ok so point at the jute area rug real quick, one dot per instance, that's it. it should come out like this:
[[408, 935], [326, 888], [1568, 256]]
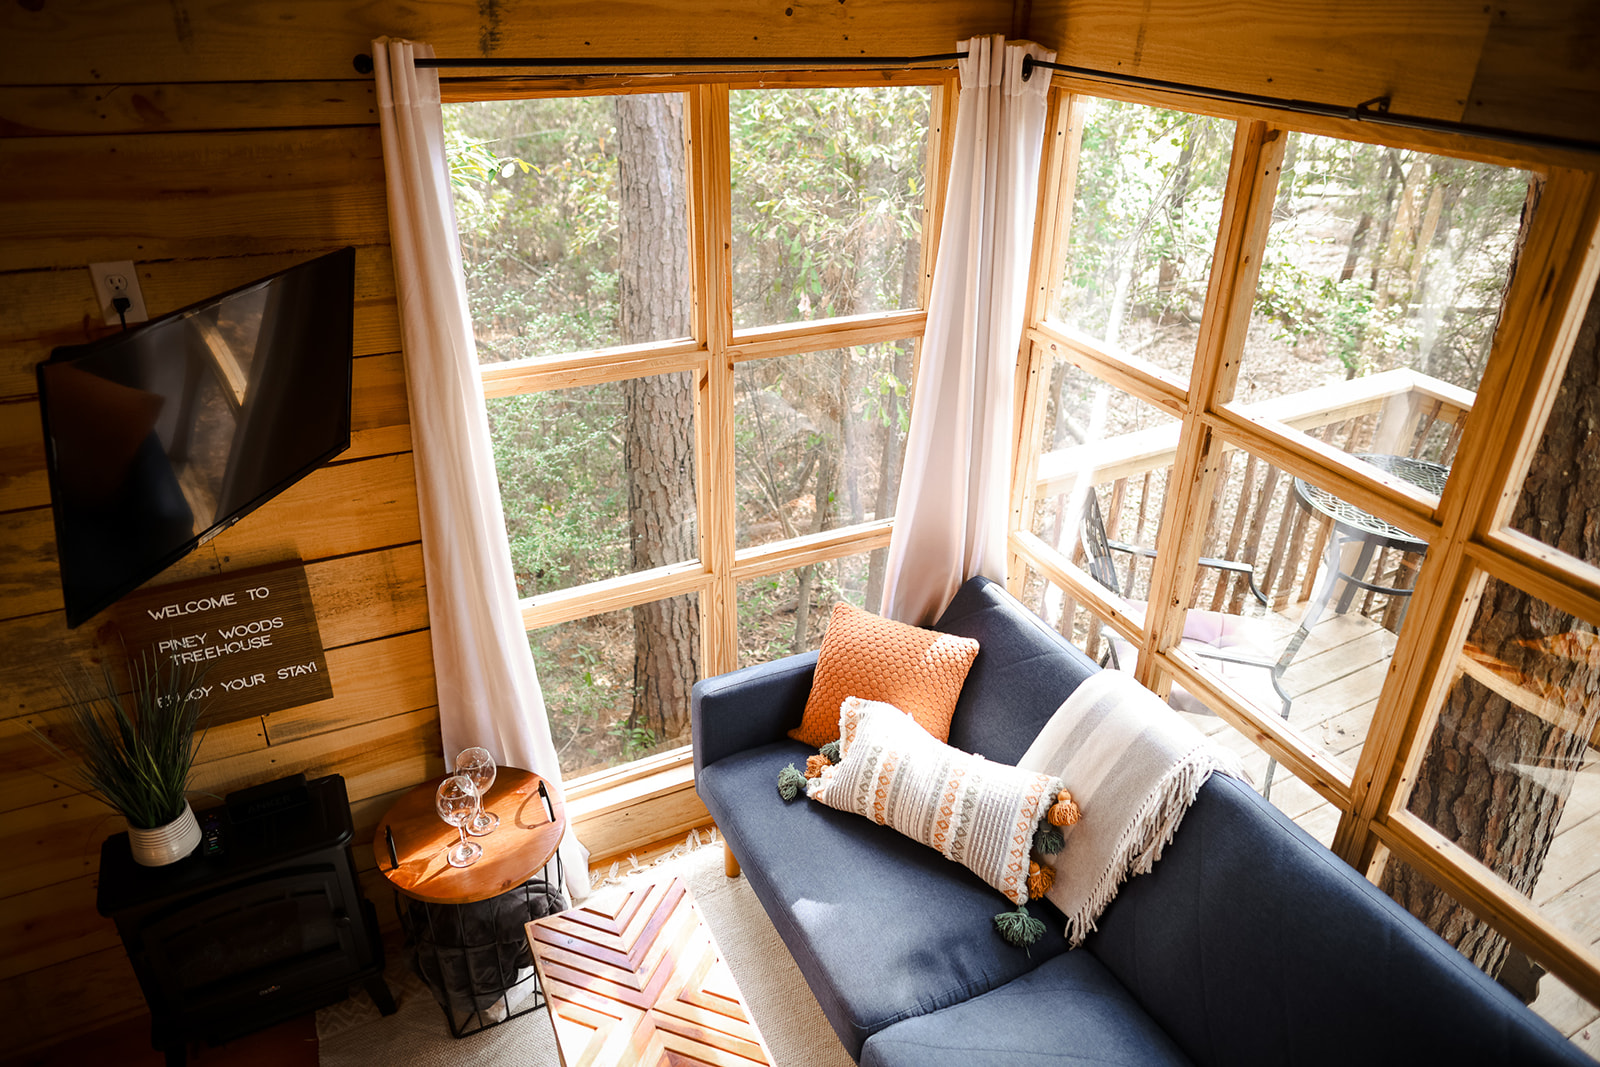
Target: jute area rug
[[353, 1034]]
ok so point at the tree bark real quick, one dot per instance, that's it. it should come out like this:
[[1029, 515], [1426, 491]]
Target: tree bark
[[1495, 778], [653, 291]]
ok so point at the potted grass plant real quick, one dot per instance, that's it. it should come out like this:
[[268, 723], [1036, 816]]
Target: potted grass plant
[[135, 750]]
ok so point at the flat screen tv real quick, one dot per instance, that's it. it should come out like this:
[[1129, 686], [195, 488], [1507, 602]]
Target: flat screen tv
[[160, 437]]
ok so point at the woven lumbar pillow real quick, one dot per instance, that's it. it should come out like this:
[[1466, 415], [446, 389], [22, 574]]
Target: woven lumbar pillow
[[980, 814], [918, 671]]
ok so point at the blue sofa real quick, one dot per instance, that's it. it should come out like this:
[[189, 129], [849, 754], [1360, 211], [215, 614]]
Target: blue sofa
[[1250, 943]]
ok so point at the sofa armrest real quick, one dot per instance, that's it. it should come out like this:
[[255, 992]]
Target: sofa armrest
[[747, 708]]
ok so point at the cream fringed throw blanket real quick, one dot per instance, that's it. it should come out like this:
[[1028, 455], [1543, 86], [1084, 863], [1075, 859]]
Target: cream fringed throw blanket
[[1134, 767]]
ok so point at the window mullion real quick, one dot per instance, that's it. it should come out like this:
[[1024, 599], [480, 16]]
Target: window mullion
[[712, 222], [1246, 215]]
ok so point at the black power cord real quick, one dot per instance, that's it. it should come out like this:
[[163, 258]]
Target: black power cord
[[122, 304]]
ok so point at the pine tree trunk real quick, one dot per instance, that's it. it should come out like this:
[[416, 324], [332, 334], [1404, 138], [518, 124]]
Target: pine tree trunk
[[1495, 779], [653, 288]]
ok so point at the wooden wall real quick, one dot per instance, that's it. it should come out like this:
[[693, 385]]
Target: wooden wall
[[1531, 65], [216, 141]]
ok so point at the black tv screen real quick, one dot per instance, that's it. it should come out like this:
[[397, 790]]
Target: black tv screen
[[159, 437]]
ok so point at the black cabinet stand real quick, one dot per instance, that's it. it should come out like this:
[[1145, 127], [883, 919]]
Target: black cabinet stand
[[264, 921]]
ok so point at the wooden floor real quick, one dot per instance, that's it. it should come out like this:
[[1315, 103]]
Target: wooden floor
[[1334, 681]]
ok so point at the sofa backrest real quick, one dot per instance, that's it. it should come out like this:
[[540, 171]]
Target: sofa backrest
[[1251, 943], [1023, 672]]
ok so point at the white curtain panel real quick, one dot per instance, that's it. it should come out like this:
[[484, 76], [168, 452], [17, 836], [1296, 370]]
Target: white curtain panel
[[488, 691], [950, 518]]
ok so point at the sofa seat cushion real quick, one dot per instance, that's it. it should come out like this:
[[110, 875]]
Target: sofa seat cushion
[[1068, 1011], [1252, 944], [883, 928]]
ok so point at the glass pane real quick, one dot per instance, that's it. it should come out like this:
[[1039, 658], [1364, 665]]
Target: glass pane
[[1060, 611], [573, 220], [1298, 601], [1575, 1017], [1094, 436], [590, 489], [1105, 646], [1560, 498], [1145, 216], [787, 613], [1511, 773], [1287, 793], [827, 201], [819, 439], [1380, 287], [616, 686]]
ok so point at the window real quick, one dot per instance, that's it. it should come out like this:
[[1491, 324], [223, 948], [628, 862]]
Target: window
[[1255, 362], [698, 442]]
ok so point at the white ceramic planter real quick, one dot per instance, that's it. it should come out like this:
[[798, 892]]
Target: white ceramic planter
[[166, 844]]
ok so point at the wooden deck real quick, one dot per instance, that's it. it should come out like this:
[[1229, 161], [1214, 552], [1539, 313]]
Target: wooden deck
[[1334, 682]]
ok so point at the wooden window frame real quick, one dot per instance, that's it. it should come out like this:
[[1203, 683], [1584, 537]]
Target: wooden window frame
[[1465, 528], [710, 353]]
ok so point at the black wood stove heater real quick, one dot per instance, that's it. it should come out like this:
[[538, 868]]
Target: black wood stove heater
[[263, 922]]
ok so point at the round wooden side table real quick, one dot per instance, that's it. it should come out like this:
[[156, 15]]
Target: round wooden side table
[[454, 904]]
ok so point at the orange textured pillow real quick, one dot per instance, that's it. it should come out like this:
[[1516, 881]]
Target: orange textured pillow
[[864, 655]]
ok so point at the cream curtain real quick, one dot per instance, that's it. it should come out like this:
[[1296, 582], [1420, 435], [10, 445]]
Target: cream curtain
[[488, 691], [950, 518]]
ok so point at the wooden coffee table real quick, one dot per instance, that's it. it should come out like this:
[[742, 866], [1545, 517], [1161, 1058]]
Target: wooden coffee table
[[635, 978]]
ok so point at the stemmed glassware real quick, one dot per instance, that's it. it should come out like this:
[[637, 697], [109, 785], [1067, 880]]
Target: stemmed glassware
[[478, 765], [457, 801]]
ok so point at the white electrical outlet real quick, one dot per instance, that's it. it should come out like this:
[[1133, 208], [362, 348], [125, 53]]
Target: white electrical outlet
[[112, 280]]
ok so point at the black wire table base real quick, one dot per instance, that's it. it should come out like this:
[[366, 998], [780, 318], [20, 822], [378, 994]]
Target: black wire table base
[[464, 961]]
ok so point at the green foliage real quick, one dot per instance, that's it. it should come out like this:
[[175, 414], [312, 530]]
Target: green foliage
[[828, 189], [563, 488], [1148, 200], [134, 751]]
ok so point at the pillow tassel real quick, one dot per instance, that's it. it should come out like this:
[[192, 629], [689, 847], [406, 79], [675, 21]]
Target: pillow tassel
[[791, 783], [1041, 877], [1064, 812], [1048, 839], [831, 751], [1018, 927], [814, 765]]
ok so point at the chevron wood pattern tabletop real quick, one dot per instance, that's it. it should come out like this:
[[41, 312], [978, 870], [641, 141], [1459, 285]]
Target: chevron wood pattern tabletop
[[635, 980]]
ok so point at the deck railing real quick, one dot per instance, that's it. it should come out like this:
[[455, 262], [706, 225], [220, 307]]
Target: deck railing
[[1254, 517]]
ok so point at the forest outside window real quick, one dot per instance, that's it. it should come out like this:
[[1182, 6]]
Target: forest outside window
[[599, 308], [1387, 278]]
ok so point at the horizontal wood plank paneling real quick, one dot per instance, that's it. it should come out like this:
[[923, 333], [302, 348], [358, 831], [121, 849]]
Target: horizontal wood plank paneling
[[194, 195], [380, 424], [1329, 51], [52, 924], [1539, 69], [100, 988], [205, 186], [374, 757], [339, 509], [107, 41], [371, 681], [60, 110], [46, 308], [359, 599]]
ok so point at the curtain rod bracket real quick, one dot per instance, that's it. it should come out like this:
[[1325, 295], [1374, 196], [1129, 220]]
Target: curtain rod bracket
[[1378, 105]]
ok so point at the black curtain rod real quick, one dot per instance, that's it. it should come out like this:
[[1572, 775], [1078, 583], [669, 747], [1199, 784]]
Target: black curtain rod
[[694, 61], [1375, 110]]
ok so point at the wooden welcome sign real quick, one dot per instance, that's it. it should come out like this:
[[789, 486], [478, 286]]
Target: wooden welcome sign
[[254, 633]]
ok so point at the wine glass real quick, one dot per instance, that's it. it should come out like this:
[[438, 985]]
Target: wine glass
[[477, 764], [457, 801]]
